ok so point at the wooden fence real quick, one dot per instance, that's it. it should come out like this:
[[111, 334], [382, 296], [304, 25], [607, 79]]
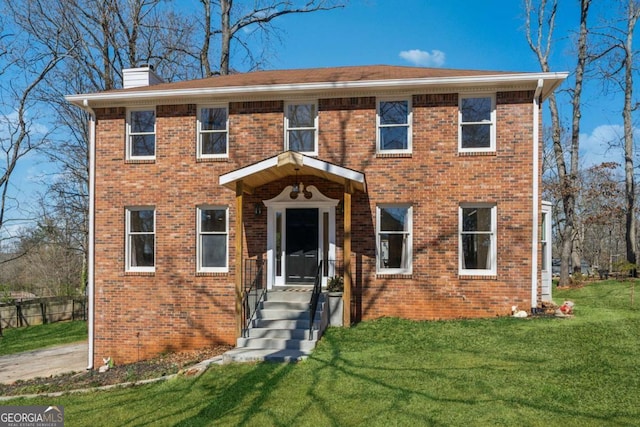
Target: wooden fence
[[41, 310]]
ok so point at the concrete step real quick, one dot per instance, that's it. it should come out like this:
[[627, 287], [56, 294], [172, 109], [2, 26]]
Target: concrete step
[[284, 305], [294, 334], [287, 296], [277, 344], [284, 314], [282, 324]]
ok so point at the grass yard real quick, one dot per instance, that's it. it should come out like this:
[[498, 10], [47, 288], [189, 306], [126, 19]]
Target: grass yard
[[583, 371], [17, 340]]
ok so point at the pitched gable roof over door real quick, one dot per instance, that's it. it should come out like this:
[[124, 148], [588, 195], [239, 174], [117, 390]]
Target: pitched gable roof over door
[[287, 164]]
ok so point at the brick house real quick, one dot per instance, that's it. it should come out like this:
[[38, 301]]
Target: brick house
[[420, 187]]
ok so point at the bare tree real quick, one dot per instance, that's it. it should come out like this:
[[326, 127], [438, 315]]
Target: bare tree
[[619, 69], [24, 69], [540, 24], [237, 17]]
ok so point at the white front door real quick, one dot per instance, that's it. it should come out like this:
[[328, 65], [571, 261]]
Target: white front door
[[300, 233]]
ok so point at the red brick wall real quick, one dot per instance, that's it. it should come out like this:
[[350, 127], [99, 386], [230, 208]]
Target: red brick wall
[[140, 315]]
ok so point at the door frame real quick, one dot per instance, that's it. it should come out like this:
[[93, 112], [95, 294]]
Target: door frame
[[307, 198]]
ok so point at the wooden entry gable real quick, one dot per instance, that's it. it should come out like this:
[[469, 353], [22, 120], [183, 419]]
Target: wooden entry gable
[[288, 163]]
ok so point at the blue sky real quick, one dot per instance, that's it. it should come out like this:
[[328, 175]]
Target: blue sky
[[468, 34]]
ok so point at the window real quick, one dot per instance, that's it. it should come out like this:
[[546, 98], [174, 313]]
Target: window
[[141, 245], [301, 127], [212, 132], [477, 118], [478, 239], [394, 126], [141, 128], [394, 240], [213, 240]]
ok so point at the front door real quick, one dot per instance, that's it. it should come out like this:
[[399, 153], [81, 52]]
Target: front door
[[301, 246]]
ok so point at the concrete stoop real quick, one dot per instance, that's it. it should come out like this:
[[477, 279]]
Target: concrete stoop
[[280, 330]]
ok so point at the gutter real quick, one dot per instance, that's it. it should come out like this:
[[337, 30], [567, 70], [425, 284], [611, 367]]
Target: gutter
[[507, 80], [91, 237], [536, 197]]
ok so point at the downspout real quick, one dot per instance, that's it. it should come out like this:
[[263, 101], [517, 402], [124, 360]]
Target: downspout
[[91, 237], [536, 198]]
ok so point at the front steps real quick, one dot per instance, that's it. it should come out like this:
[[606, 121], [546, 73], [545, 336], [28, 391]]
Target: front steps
[[280, 329]]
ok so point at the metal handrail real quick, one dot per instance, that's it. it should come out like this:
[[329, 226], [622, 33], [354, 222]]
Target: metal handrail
[[256, 287], [315, 296]]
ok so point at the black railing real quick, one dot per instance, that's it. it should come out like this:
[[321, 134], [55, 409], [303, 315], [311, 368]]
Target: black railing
[[254, 290], [315, 296]]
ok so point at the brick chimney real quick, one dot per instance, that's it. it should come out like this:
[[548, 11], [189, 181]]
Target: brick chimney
[[141, 76]]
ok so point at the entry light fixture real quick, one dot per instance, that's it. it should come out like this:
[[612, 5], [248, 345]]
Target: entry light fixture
[[257, 209], [296, 185]]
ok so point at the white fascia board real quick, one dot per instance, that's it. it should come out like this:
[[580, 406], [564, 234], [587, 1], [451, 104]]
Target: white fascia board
[[334, 169], [488, 80], [241, 173]]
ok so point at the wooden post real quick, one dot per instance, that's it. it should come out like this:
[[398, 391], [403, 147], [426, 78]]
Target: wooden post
[[346, 256], [239, 254]]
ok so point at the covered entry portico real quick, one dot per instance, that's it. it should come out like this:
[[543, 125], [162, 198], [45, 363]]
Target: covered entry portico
[[301, 227]]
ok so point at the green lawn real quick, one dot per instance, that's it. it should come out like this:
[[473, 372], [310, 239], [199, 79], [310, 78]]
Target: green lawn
[[583, 371], [16, 340]]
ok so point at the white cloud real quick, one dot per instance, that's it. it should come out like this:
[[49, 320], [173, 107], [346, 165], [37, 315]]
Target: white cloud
[[424, 59], [602, 145]]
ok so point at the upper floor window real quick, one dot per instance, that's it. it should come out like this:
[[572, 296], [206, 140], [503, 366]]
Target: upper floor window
[[394, 239], [213, 132], [478, 246], [213, 239], [477, 119], [301, 127], [141, 242], [394, 126], [141, 134]]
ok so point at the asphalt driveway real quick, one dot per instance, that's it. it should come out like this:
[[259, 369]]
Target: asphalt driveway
[[43, 363]]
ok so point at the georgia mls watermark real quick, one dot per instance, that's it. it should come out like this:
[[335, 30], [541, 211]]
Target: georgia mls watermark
[[31, 416]]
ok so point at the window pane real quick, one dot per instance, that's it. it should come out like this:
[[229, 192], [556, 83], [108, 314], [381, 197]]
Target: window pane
[[476, 219], [476, 251], [213, 118], [393, 138], [213, 220], [142, 247], [302, 140], [301, 115], [143, 121], [393, 219], [393, 251], [214, 250], [394, 112], [476, 136], [141, 221], [476, 109], [143, 145], [214, 143]]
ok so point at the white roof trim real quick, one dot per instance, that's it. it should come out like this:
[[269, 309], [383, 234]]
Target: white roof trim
[[532, 78]]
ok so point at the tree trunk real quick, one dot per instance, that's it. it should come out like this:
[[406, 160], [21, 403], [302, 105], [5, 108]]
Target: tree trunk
[[630, 192], [225, 28]]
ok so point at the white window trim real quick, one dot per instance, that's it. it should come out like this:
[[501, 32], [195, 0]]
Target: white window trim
[[128, 233], [492, 123], [315, 126], [408, 125], [199, 234], [379, 268], [200, 132], [494, 241], [130, 134]]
